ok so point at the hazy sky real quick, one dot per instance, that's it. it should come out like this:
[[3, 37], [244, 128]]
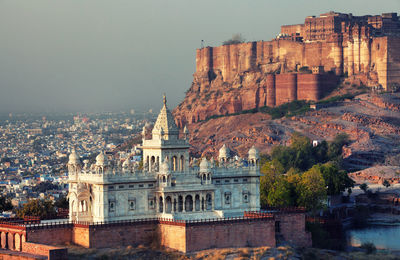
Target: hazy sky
[[98, 55]]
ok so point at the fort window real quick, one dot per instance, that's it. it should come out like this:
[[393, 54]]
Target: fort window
[[226, 181], [217, 181], [236, 180], [140, 185], [111, 187], [132, 204], [151, 202], [111, 206], [151, 185], [245, 196], [244, 180], [131, 186], [121, 186], [227, 198]]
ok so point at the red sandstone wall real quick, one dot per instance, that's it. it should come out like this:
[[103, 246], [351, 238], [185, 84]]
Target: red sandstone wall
[[121, 235], [238, 234], [293, 229], [50, 236], [286, 88], [393, 73], [52, 253], [308, 87], [80, 235], [173, 236]]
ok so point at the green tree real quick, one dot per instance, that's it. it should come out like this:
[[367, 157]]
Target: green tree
[[38, 208], [336, 146], [312, 189], [337, 181], [62, 202], [5, 204], [280, 194], [270, 172], [364, 187]]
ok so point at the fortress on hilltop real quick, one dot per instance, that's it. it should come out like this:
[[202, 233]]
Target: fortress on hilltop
[[304, 62]]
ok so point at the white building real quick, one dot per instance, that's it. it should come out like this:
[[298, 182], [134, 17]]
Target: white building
[[168, 185]]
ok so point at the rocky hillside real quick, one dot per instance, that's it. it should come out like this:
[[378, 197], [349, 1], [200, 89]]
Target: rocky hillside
[[371, 121]]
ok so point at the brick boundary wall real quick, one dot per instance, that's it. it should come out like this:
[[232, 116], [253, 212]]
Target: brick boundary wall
[[255, 228], [51, 252]]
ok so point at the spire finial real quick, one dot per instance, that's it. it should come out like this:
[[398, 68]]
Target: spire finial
[[164, 100]]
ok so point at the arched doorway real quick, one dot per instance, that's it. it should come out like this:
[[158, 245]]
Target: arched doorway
[[168, 205], [208, 201], [197, 203], [180, 204], [161, 205], [189, 203]]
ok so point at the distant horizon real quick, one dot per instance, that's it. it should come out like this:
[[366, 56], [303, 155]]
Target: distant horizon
[[98, 56]]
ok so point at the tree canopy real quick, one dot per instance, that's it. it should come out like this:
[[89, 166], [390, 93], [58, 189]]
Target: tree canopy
[[38, 208], [303, 175]]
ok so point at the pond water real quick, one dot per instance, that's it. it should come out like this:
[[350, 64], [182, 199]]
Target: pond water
[[383, 236]]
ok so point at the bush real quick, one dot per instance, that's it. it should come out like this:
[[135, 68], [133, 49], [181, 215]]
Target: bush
[[369, 247], [305, 70], [236, 39]]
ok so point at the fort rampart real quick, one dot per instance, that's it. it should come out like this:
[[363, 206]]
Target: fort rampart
[[252, 230]]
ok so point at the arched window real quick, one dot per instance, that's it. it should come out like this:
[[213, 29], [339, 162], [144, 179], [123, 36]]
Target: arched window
[[180, 204], [161, 205], [168, 206], [182, 163], [189, 203], [174, 164], [208, 201]]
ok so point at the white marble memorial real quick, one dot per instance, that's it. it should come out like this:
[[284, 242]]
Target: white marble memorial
[[168, 184]]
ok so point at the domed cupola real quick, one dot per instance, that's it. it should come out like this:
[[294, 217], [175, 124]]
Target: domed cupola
[[204, 165], [205, 171], [101, 159], [74, 163], [164, 175], [224, 154], [254, 156], [74, 158]]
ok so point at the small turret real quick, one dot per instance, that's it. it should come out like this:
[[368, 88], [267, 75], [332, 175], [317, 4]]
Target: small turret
[[253, 156], [224, 154], [204, 165], [74, 163], [101, 160], [205, 171]]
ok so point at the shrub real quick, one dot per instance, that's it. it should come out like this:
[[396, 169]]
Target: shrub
[[305, 70], [369, 247], [236, 39]]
